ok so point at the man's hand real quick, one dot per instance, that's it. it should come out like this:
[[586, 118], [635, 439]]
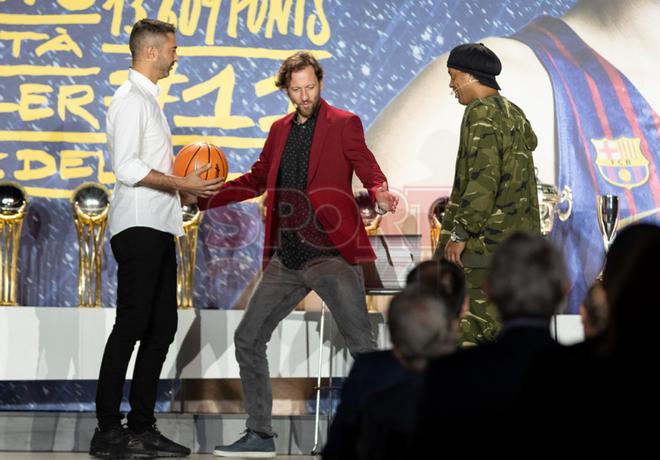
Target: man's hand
[[387, 201], [453, 252], [194, 185]]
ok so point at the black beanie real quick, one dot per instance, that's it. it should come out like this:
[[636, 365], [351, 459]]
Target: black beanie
[[477, 60]]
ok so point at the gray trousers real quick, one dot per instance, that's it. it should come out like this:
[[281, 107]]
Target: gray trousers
[[339, 284]]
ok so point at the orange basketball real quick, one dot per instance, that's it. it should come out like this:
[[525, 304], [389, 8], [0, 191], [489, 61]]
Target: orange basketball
[[194, 156]]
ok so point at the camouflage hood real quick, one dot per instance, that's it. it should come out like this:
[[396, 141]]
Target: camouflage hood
[[514, 116], [524, 127]]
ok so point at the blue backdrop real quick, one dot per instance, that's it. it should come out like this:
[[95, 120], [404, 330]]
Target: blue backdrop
[[61, 61]]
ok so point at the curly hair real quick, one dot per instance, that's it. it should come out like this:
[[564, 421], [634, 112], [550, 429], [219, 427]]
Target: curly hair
[[294, 63]]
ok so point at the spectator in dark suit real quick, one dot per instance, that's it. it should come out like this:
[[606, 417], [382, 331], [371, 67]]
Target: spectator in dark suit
[[422, 321], [421, 328], [606, 386], [468, 397]]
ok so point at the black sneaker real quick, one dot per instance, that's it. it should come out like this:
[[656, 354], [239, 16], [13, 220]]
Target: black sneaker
[[108, 443], [153, 441]]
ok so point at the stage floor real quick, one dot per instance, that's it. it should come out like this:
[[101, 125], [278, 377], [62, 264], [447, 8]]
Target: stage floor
[[81, 456]]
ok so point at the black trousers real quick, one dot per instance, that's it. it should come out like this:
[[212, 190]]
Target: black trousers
[[146, 312]]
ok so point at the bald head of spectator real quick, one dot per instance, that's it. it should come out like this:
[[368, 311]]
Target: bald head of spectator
[[527, 278], [421, 327]]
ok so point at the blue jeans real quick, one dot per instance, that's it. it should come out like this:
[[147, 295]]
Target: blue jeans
[[339, 284]]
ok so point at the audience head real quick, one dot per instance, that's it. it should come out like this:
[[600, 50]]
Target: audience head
[[527, 278], [630, 279], [594, 310], [421, 327], [624, 251], [442, 278]]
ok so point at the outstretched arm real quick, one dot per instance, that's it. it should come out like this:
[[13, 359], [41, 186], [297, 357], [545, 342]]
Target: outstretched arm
[[365, 166], [247, 186]]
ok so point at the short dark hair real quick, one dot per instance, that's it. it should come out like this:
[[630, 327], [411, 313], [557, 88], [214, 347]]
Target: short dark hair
[[421, 327], [443, 279], [294, 63], [527, 277], [144, 28]]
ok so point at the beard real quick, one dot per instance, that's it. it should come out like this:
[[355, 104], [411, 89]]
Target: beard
[[307, 110]]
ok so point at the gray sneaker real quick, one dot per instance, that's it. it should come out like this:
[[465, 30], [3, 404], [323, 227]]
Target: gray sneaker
[[251, 445]]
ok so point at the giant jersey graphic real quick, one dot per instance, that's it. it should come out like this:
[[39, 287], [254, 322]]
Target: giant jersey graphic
[[608, 143]]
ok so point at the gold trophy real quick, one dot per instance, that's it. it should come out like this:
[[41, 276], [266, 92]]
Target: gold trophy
[[187, 248], [91, 204], [608, 218], [436, 213], [13, 202], [371, 221]]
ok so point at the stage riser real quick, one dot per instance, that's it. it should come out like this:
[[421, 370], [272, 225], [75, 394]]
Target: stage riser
[[41, 343]]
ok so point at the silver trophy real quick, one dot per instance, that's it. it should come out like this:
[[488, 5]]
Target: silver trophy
[[608, 218], [552, 202]]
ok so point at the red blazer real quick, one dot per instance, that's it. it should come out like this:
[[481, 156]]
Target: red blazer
[[338, 149]]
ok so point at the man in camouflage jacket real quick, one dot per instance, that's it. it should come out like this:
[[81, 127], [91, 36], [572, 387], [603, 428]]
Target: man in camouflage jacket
[[494, 192]]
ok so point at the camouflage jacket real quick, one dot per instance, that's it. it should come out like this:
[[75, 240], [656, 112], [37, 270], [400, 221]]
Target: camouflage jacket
[[494, 191]]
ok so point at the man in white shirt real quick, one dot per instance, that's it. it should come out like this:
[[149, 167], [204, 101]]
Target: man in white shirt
[[145, 215]]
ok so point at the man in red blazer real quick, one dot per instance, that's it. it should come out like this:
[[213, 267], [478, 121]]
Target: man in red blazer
[[315, 239]]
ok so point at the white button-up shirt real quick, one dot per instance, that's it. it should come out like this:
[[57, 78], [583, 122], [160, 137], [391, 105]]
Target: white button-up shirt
[[139, 140]]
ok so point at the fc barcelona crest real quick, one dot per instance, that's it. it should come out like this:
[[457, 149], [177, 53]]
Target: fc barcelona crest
[[621, 162]]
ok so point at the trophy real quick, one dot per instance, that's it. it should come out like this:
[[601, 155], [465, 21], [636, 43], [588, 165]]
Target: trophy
[[549, 201], [608, 218], [436, 214], [13, 201], [187, 248], [370, 219], [91, 203]]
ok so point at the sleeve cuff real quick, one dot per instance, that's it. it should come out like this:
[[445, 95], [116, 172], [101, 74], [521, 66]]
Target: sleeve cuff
[[461, 233], [372, 192]]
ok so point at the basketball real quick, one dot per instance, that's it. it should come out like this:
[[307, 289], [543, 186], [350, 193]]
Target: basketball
[[194, 156]]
